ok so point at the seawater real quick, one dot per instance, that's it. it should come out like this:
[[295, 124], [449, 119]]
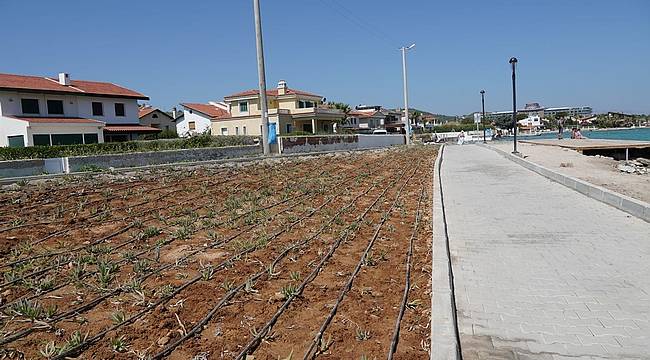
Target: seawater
[[641, 134]]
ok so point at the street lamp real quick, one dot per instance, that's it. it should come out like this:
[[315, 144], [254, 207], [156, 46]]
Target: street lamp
[[513, 62], [483, 115], [406, 93], [261, 73]]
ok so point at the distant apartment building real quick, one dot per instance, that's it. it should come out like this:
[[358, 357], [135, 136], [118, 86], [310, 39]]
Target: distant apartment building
[[536, 109], [289, 110], [37, 110]]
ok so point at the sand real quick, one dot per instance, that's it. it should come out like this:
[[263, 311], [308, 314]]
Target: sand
[[600, 171]]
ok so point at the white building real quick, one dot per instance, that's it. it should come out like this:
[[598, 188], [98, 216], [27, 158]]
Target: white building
[[197, 118], [46, 111]]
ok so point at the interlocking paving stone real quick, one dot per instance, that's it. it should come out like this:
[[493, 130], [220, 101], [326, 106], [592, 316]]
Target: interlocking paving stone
[[542, 271]]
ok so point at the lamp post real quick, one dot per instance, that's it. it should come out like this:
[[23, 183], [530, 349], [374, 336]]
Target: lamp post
[[513, 62], [261, 73], [483, 114], [406, 93]]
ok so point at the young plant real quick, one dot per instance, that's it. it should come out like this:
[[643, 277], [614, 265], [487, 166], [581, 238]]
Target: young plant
[[49, 350], [228, 285], [362, 334], [289, 290], [118, 317], [295, 276], [119, 344]]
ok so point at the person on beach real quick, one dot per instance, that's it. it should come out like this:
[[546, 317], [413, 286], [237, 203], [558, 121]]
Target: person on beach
[[578, 134], [560, 129], [461, 137]]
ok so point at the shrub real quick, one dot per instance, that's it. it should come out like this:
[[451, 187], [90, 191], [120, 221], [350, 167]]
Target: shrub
[[201, 141]]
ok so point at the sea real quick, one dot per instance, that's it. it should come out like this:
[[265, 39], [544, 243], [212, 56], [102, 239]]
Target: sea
[[641, 134]]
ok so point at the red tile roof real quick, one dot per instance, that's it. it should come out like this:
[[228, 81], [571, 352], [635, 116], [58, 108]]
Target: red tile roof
[[207, 109], [144, 111], [130, 128], [362, 114], [52, 120], [273, 92], [78, 87]]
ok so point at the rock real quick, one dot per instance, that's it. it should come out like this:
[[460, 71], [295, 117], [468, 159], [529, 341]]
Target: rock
[[163, 341], [626, 168], [643, 161]]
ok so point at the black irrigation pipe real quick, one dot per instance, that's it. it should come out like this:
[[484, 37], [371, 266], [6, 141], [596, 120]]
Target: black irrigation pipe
[[94, 302], [116, 291], [139, 253], [254, 343], [407, 281], [348, 286], [121, 230], [75, 350]]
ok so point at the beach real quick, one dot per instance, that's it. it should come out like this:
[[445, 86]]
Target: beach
[[599, 171]]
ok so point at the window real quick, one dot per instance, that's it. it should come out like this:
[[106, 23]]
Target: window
[[67, 139], [16, 141], [224, 131], [55, 107], [30, 106], [119, 109], [91, 139], [236, 130], [244, 130], [289, 128], [166, 127], [154, 116], [42, 140], [98, 109], [243, 107], [191, 125], [305, 104]]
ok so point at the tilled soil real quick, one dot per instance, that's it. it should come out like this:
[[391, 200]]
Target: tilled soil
[[289, 259]]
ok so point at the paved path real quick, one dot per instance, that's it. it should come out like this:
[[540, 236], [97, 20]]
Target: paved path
[[541, 271]]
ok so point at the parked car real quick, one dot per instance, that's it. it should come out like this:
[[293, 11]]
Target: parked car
[[379, 132]]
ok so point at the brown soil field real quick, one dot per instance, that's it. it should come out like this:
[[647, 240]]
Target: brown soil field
[[314, 257]]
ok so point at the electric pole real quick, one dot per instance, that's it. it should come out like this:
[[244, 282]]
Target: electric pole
[[407, 126], [261, 73]]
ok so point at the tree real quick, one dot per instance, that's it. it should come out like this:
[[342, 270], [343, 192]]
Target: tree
[[345, 108]]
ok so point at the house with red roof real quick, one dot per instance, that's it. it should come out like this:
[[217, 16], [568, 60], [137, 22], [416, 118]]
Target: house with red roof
[[197, 118], [39, 110], [156, 118], [290, 110]]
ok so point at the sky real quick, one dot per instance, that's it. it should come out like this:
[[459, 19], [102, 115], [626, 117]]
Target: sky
[[578, 52]]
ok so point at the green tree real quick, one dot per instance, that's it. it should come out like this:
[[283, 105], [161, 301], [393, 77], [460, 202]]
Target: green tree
[[345, 108]]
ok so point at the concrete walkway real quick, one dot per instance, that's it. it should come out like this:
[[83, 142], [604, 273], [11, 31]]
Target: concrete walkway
[[542, 271]]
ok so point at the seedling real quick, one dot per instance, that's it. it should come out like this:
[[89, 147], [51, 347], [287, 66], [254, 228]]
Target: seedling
[[228, 285], [49, 350], [75, 340], [362, 334], [295, 276], [119, 344], [27, 308], [207, 272], [289, 290], [141, 266], [118, 317], [325, 344]]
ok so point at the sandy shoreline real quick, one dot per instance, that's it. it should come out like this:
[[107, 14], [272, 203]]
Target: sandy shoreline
[[596, 170]]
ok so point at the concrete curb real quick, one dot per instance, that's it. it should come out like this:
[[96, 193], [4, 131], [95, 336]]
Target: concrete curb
[[638, 208], [444, 341], [7, 181]]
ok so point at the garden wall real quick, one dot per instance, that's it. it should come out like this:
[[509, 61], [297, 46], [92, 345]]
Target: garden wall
[[305, 144], [17, 168]]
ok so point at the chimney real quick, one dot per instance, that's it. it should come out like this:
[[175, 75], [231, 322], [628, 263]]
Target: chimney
[[174, 112], [282, 87], [64, 79]]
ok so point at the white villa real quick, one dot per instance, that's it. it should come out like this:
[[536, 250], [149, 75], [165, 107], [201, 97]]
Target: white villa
[[37, 110], [197, 118]]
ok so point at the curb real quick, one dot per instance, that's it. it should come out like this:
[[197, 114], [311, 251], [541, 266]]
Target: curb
[[8, 181], [444, 328], [637, 208]]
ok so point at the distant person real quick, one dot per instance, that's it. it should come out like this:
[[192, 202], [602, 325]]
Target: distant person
[[573, 133], [560, 129], [461, 137], [578, 134]]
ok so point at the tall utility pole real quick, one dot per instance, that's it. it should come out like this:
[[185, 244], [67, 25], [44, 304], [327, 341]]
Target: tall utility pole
[[406, 94], [483, 114], [261, 73], [513, 62]]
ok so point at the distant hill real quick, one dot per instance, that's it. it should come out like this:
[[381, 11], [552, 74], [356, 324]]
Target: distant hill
[[439, 117]]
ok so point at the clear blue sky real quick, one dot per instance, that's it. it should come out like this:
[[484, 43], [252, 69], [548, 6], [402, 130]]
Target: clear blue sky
[[575, 52]]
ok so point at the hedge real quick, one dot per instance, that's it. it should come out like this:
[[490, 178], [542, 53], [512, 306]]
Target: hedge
[[44, 152]]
